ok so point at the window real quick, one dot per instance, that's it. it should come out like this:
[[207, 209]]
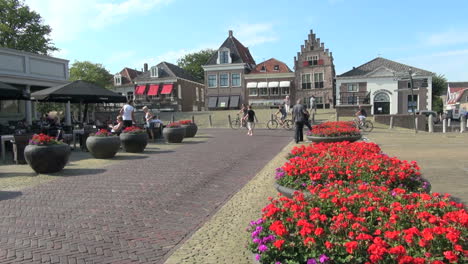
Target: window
[[263, 69], [253, 92], [117, 79], [9, 106], [224, 57], [263, 91], [313, 60], [274, 91], [352, 87], [318, 78], [212, 82], [319, 100], [412, 103], [197, 94], [285, 90], [409, 85], [202, 93], [352, 100], [276, 68], [224, 79], [129, 95], [235, 80], [154, 72], [306, 82]]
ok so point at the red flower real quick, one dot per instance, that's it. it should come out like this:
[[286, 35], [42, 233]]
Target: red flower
[[398, 250], [278, 228], [351, 246], [278, 243], [450, 256]]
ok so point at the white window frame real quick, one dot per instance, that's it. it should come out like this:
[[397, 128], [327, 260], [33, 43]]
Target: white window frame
[[202, 95], [277, 90], [154, 72], [197, 95], [310, 79], [265, 89], [220, 51], [354, 85], [284, 89], [130, 96], [251, 90], [274, 67], [323, 79], [216, 81], [309, 58], [224, 73], [118, 79], [240, 81]]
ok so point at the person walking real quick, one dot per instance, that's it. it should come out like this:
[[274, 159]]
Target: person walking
[[313, 106], [287, 104], [243, 112], [250, 117], [298, 113], [128, 114]]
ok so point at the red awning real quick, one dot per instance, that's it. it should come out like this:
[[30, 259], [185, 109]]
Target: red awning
[[140, 89], [153, 90], [167, 88]]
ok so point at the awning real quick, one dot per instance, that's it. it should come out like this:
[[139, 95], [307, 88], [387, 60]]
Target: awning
[[223, 101], [140, 89], [252, 85], [262, 85], [285, 84], [273, 84], [234, 102], [212, 101], [153, 90], [167, 88]]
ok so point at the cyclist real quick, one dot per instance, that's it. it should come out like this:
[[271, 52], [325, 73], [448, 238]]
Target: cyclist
[[283, 113], [361, 115], [243, 111]]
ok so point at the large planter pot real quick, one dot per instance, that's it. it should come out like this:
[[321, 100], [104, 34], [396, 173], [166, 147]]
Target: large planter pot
[[333, 139], [103, 147], [174, 134], [190, 130], [288, 192], [47, 159], [134, 143]]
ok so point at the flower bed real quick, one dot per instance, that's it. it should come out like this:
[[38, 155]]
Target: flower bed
[[361, 223], [352, 162], [334, 129]]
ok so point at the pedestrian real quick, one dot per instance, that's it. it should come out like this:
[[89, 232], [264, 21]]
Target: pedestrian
[[306, 121], [299, 118], [243, 112], [250, 117], [313, 106], [287, 103], [128, 114]]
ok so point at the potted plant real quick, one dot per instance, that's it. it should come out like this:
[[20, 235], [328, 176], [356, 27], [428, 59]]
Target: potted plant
[[174, 132], [360, 223], [45, 154], [134, 139], [334, 132], [190, 128], [103, 144]]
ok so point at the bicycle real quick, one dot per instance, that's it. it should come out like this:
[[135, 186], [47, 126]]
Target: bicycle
[[365, 125], [236, 123], [287, 124]]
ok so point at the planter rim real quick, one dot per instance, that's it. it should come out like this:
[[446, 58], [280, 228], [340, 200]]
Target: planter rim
[[353, 136]]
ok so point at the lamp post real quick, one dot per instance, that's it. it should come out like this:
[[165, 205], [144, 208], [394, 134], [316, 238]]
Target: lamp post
[[410, 71]]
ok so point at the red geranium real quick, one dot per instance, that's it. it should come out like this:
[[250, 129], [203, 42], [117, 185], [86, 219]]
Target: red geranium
[[185, 122], [43, 140], [133, 130], [334, 129]]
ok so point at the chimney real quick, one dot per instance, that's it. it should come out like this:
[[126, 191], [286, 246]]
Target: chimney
[[145, 67], [230, 33]]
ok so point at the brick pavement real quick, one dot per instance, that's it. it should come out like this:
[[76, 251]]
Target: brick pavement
[[139, 210]]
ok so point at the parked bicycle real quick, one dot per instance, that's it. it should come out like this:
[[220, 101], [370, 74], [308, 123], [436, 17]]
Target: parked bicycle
[[364, 125], [286, 124], [238, 122]]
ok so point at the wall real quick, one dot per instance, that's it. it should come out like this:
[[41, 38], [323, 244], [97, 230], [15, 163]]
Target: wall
[[350, 110], [405, 121]]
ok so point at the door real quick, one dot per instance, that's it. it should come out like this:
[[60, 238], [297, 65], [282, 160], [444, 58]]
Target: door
[[381, 104]]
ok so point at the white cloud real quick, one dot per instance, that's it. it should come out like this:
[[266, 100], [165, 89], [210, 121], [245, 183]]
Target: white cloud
[[70, 18], [450, 37], [254, 34]]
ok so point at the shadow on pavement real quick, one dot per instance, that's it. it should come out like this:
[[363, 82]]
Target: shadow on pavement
[[77, 172], [17, 174], [130, 157], [5, 195]]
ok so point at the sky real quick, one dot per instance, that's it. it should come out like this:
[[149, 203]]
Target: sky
[[427, 34]]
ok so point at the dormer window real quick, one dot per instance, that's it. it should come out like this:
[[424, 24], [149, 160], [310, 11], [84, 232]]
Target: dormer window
[[117, 79], [154, 72], [224, 56], [263, 69], [276, 68]]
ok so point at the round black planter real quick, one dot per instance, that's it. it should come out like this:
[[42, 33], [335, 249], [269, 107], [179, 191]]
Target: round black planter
[[134, 143], [47, 159], [174, 134], [288, 192], [333, 139], [190, 130], [103, 147]]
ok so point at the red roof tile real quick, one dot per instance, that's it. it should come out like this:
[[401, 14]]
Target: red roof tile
[[270, 67]]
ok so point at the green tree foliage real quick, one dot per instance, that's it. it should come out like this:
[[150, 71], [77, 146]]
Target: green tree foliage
[[22, 29], [91, 72], [437, 104], [193, 62], [439, 85]]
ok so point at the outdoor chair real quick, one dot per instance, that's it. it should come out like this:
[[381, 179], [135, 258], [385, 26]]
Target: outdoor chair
[[19, 144]]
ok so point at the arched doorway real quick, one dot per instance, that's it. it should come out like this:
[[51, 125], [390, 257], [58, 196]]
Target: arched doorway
[[381, 104]]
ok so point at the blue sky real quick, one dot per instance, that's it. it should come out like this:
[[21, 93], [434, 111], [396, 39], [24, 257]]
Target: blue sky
[[428, 34]]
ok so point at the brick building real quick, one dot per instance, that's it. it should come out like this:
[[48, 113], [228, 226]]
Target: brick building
[[314, 72], [124, 81]]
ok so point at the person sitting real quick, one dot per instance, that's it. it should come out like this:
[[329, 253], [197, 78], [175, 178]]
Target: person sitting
[[118, 127], [361, 115]]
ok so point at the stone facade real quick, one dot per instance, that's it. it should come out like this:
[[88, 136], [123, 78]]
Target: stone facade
[[314, 72]]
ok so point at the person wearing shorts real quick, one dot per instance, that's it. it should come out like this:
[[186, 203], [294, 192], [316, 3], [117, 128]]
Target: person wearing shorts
[[250, 117]]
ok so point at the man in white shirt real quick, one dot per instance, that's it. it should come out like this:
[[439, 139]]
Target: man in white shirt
[[313, 106], [128, 114]]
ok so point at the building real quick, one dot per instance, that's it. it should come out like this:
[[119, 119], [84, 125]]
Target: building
[[457, 98], [268, 84], [383, 86], [167, 87], [30, 72], [225, 75], [315, 72], [124, 81]]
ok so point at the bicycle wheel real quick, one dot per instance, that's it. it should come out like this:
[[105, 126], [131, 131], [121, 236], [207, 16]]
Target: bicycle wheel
[[288, 125], [367, 126], [235, 124], [272, 124]]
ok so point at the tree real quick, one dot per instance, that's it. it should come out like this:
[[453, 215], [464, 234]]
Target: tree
[[439, 84], [192, 63], [22, 29], [437, 104], [91, 72]]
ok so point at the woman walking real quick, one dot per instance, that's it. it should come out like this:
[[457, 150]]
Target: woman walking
[[250, 117]]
